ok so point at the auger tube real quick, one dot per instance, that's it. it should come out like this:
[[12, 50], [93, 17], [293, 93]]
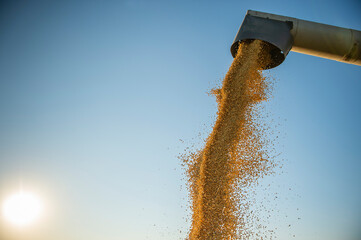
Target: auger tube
[[286, 34]]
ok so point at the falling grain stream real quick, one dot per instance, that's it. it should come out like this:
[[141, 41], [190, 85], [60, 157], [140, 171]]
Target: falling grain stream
[[233, 156]]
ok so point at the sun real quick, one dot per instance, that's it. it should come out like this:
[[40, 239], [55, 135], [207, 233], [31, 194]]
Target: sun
[[22, 208]]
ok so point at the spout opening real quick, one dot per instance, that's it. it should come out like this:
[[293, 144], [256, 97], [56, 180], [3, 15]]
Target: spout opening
[[276, 55]]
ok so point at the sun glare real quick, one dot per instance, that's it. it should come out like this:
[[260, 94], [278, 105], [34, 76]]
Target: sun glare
[[22, 208]]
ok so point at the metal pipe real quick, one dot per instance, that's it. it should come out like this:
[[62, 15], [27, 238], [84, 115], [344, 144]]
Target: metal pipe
[[285, 33]]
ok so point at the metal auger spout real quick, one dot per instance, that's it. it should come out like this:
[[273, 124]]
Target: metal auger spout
[[283, 34]]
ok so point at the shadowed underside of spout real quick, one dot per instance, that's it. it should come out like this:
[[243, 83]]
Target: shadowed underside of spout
[[283, 34]]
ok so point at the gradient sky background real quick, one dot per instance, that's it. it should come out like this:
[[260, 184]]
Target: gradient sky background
[[95, 95]]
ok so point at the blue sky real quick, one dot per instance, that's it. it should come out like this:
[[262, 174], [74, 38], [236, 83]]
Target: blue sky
[[96, 95]]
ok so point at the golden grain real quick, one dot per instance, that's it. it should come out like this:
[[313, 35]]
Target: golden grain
[[233, 156]]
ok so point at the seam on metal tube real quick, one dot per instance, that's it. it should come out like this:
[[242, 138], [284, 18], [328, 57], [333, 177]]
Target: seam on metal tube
[[352, 54]]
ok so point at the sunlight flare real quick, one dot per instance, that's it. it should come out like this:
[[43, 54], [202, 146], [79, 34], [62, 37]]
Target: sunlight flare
[[22, 208]]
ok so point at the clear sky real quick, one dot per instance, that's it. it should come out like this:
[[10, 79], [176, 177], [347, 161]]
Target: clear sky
[[96, 95]]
